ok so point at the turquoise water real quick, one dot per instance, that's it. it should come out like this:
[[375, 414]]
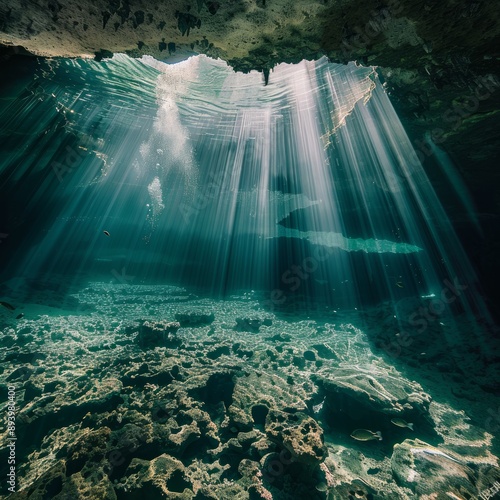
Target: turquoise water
[[205, 177], [250, 263]]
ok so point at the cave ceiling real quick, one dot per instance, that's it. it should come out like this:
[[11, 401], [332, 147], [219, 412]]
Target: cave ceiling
[[439, 60]]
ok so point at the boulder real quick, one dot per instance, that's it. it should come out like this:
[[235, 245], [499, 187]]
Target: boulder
[[427, 470], [372, 395]]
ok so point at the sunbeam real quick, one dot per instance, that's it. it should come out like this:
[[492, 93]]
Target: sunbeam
[[247, 283]]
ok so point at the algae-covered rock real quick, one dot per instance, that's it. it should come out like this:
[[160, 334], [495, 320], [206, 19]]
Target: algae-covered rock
[[93, 483], [356, 489], [257, 391], [299, 434], [232, 414], [162, 477], [130, 438], [47, 485], [91, 447], [248, 468], [59, 482]]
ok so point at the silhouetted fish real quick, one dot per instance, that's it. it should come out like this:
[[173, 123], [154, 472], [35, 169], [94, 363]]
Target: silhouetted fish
[[7, 306], [19, 316], [366, 435], [106, 233], [401, 423]]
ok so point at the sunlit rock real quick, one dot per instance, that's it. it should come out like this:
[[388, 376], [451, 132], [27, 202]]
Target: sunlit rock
[[299, 434], [414, 460], [164, 476]]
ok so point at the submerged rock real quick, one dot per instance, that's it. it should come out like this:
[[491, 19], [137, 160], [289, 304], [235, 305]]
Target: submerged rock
[[252, 324], [364, 391], [157, 334], [22, 373], [299, 434], [89, 448], [427, 470], [252, 393], [162, 477], [218, 418], [356, 488], [195, 318], [48, 484], [93, 483]]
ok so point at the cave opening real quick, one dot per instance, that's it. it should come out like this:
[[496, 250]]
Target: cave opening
[[293, 219]]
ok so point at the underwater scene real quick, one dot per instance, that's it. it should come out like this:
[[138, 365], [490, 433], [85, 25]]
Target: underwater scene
[[217, 288]]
